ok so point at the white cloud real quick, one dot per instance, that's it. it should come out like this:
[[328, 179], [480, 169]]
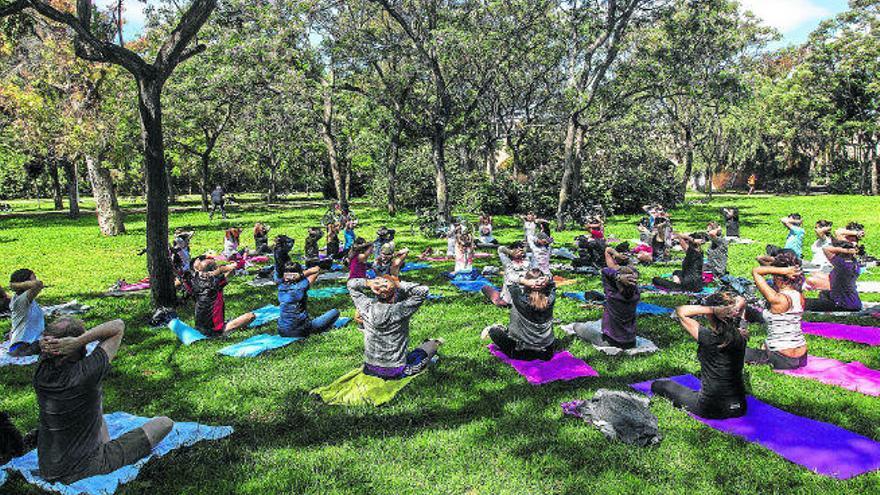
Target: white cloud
[[786, 15]]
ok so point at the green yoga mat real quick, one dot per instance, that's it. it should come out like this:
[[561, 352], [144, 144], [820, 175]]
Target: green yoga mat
[[357, 389]]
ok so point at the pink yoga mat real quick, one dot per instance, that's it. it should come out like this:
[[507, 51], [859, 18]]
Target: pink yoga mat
[[839, 331], [563, 366], [853, 376]]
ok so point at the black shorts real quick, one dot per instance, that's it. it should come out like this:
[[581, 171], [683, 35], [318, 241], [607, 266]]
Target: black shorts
[[123, 451]]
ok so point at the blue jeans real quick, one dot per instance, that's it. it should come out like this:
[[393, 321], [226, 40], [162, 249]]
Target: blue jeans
[[317, 325]]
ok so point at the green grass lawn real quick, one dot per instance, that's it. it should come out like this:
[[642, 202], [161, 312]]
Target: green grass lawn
[[469, 425]]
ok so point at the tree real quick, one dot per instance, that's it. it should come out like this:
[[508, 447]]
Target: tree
[[150, 79]]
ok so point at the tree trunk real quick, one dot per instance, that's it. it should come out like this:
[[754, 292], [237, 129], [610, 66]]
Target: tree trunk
[[57, 195], [330, 143], [72, 188], [688, 162], [272, 195], [172, 196], [205, 179], [569, 173], [875, 164], [110, 217], [159, 264], [393, 157], [439, 156]]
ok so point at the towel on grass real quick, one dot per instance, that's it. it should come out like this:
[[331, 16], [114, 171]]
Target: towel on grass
[[357, 389], [472, 285], [823, 448], [185, 333], [563, 366], [327, 292], [619, 416], [342, 321], [740, 240], [643, 346], [853, 376], [563, 253], [67, 309], [119, 423], [839, 331], [257, 345], [264, 282]]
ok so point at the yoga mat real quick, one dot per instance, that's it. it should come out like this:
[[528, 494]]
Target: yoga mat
[[185, 333], [472, 285], [436, 259], [182, 435], [482, 255], [265, 315], [410, 267], [853, 376], [839, 331], [342, 321], [823, 448], [563, 366], [357, 389], [327, 292], [657, 290], [256, 345], [331, 276], [563, 282], [643, 308]]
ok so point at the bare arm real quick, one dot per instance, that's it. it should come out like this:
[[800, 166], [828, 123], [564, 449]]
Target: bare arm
[[833, 251], [609, 259], [109, 335], [686, 317], [312, 274], [779, 303], [32, 287], [843, 233]]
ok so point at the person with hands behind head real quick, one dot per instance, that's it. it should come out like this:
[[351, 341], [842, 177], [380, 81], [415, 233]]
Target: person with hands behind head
[[795, 239], [385, 306], [690, 277], [529, 335], [358, 256], [516, 265], [720, 350], [843, 294], [28, 320], [73, 442], [390, 262], [293, 286], [717, 254], [617, 328], [785, 347], [208, 282]]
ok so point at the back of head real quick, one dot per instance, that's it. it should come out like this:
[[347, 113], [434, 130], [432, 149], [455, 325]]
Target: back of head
[[726, 317], [855, 226], [21, 275], [823, 224], [62, 328], [539, 298], [786, 258]]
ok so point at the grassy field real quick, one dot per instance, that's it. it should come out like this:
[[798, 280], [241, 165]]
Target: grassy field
[[469, 425]]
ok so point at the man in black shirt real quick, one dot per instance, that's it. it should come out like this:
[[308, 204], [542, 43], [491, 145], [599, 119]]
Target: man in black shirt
[[690, 277], [73, 442]]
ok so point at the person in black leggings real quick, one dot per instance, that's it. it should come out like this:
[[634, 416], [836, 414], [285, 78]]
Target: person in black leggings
[[721, 350], [690, 277]]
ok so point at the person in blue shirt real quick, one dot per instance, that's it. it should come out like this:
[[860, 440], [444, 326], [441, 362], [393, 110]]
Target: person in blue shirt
[[28, 320], [349, 235], [293, 286], [794, 242]]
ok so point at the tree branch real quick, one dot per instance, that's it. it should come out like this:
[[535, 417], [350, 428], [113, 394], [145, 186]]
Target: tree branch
[[174, 48], [13, 8]]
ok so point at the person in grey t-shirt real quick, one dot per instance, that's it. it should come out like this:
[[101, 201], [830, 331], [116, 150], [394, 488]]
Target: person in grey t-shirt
[[716, 255], [529, 335]]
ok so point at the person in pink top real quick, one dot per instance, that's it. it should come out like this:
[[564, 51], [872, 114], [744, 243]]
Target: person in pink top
[[360, 253]]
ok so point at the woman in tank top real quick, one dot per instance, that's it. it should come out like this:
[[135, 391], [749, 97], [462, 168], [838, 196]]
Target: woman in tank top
[[785, 347]]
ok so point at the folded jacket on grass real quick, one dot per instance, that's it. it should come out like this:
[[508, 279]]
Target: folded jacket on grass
[[327, 292], [182, 435], [839, 331], [264, 315], [853, 376], [823, 448], [185, 333], [563, 366], [257, 345], [357, 389]]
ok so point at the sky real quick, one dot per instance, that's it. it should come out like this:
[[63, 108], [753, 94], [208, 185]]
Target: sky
[[795, 19]]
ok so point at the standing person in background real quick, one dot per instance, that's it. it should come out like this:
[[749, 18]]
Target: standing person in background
[[753, 182], [218, 201]]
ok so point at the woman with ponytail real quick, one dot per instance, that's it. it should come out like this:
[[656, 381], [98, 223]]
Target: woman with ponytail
[[720, 350], [785, 347], [529, 336]]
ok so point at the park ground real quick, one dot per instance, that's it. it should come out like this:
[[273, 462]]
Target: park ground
[[469, 425]]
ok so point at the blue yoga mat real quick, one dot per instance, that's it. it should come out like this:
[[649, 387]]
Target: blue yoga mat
[[257, 345], [185, 333], [471, 285], [823, 448], [409, 267], [327, 292], [342, 321], [266, 314], [183, 435], [643, 308]]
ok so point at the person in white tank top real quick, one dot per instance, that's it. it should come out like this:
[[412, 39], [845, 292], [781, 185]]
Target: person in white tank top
[[785, 347]]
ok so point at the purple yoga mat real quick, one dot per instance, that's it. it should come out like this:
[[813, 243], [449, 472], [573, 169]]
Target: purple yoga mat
[[823, 448], [563, 366], [839, 331], [851, 376]]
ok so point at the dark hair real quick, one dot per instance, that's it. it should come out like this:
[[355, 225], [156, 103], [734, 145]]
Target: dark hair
[[823, 224], [855, 226], [516, 245], [784, 259], [796, 216], [700, 236], [842, 244], [725, 321], [360, 246], [21, 275], [61, 328]]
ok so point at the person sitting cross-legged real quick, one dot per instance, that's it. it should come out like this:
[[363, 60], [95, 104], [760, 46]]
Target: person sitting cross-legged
[[529, 335], [208, 282], [73, 441], [385, 313], [293, 287], [516, 265]]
